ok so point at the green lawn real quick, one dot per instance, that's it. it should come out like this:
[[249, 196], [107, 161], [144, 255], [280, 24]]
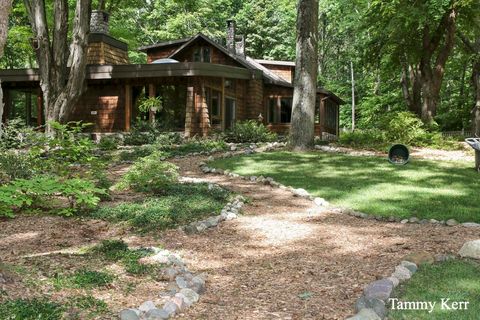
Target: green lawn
[[454, 280], [425, 189]]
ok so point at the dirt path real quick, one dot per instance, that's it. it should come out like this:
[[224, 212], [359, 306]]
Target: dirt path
[[283, 247]]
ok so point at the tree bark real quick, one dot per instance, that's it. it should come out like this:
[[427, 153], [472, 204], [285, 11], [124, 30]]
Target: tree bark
[[61, 86], [305, 86], [353, 95], [5, 7]]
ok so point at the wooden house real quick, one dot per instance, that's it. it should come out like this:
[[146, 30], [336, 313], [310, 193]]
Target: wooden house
[[204, 86]]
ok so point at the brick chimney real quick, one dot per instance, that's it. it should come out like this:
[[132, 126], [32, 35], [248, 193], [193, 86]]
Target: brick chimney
[[231, 36], [240, 45], [103, 48]]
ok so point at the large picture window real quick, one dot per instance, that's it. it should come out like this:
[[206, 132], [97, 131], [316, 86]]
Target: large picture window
[[271, 112], [213, 98], [279, 109], [285, 110]]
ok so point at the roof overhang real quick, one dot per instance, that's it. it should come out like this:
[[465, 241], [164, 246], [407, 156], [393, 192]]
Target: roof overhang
[[132, 71]]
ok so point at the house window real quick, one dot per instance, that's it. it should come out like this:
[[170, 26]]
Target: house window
[[202, 54], [285, 110], [213, 98], [272, 106], [230, 84]]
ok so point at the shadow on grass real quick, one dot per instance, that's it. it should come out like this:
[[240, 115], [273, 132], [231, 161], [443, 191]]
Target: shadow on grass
[[426, 189]]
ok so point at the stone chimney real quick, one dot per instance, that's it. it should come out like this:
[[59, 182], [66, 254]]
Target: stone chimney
[[231, 36], [99, 22], [240, 45]]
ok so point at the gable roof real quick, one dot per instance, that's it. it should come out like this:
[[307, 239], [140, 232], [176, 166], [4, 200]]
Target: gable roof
[[164, 44]]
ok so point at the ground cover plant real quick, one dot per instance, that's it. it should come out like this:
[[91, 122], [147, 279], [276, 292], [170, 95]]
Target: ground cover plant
[[178, 204], [249, 131], [425, 189], [456, 280]]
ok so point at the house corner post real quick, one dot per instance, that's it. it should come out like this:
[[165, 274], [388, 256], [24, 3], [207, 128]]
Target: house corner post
[[128, 107]]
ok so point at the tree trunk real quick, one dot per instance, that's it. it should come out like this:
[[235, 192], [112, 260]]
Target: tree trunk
[[305, 86], [476, 85], [5, 7], [61, 87], [353, 95]]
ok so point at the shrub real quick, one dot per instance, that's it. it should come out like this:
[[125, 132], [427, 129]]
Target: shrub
[[16, 134], [169, 138], [197, 145], [108, 143], [149, 174], [143, 132], [249, 131], [137, 152], [15, 165], [42, 191], [363, 138]]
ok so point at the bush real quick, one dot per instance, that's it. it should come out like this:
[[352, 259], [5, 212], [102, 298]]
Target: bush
[[15, 165], [149, 174], [108, 143], [196, 145], [137, 152], [143, 132], [250, 131], [372, 138], [169, 138], [16, 135], [34, 309], [42, 191]]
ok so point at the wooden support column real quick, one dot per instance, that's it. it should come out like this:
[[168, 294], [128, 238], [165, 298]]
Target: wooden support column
[[39, 109], [128, 107], [152, 94], [322, 115], [222, 106], [28, 107]]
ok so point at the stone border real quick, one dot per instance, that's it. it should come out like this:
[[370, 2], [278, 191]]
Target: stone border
[[184, 288]]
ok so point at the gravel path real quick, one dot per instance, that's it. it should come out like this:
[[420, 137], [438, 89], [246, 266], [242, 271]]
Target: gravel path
[[283, 247]]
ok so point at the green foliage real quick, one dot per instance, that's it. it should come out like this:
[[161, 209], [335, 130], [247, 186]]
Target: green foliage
[[150, 104], [168, 139], [194, 145], [142, 132], [92, 305], [46, 192], [249, 131], [136, 152], [35, 309], [149, 174], [179, 204], [370, 138], [86, 279], [16, 165], [108, 143], [16, 135], [117, 250]]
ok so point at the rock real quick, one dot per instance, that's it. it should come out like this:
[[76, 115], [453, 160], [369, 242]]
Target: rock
[[212, 221], [377, 305], [180, 302], [200, 227], [444, 257], [190, 295], [147, 306], [161, 258], [470, 249], [190, 229], [471, 225], [229, 216], [420, 258], [233, 148], [394, 280], [380, 289], [320, 202], [300, 193], [185, 300], [169, 274], [402, 273], [198, 284], [129, 314], [410, 266], [157, 314], [170, 308], [424, 221], [413, 220], [451, 222], [211, 158], [365, 314], [253, 178], [181, 282], [175, 260], [404, 221], [434, 221]]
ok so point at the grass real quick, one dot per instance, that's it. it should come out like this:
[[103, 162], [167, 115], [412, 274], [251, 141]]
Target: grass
[[34, 309], [86, 279], [457, 280], [179, 204], [425, 189]]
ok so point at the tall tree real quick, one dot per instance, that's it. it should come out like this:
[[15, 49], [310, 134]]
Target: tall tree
[[305, 83], [5, 7], [62, 71]]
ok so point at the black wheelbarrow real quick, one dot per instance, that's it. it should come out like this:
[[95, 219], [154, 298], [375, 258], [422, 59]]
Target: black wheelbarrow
[[475, 144], [399, 154]]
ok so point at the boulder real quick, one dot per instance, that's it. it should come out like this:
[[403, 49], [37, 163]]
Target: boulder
[[320, 202], [198, 284], [129, 314], [410, 266], [451, 222], [394, 280], [157, 314], [190, 295], [380, 289], [146, 306], [419, 258], [377, 305], [470, 249], [365, 314], [300, 193], [402, 273], [413, 220], [471, 225], [170, 308]]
